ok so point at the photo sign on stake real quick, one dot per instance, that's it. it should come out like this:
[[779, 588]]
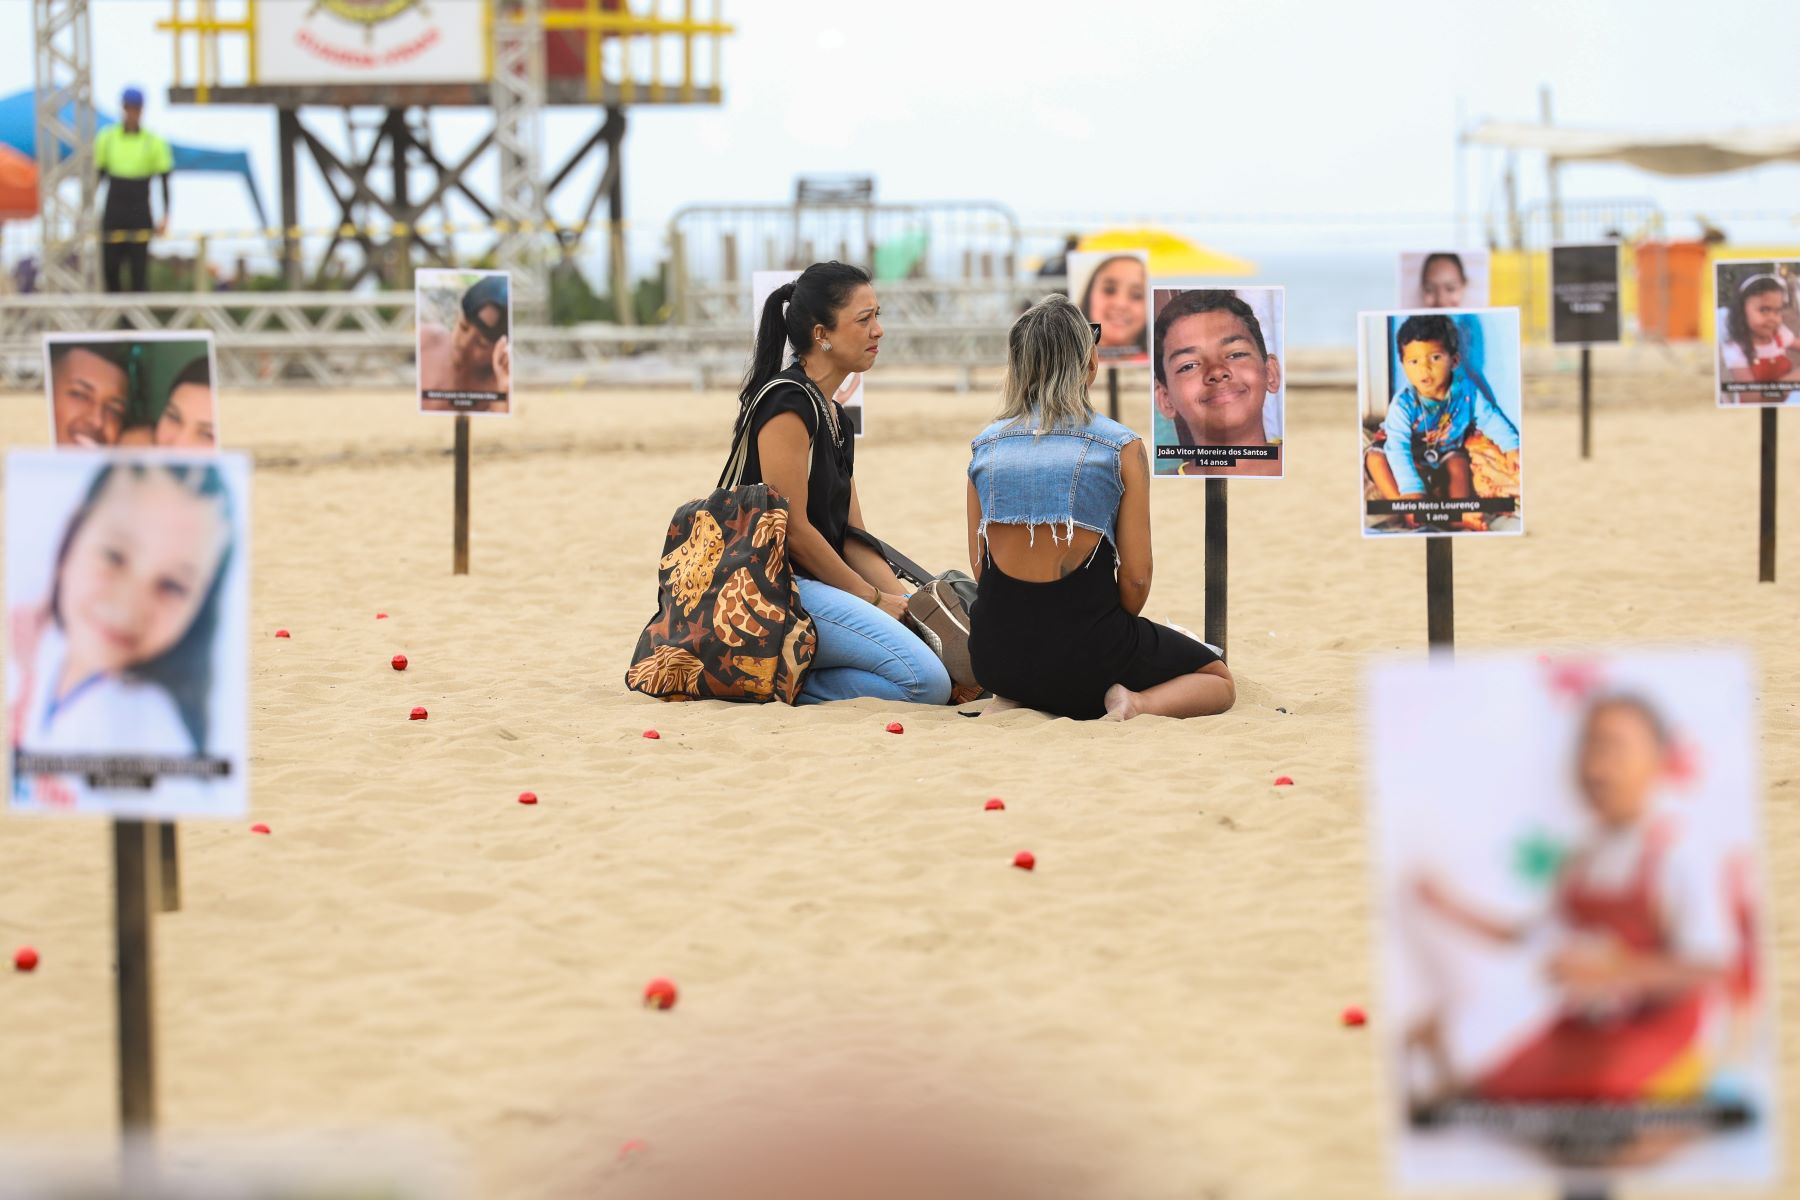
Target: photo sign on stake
[[1573, 935]]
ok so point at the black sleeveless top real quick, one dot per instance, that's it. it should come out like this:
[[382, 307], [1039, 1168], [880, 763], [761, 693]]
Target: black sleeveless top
[[833, 462]]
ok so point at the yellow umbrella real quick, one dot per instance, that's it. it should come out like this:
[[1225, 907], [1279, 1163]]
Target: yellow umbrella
[[1171, 257]]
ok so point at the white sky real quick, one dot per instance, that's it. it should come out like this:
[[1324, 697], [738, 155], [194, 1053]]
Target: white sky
[[1068, 109]]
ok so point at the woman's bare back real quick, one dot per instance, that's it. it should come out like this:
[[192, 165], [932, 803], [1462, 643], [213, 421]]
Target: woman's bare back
[[1030, 552]]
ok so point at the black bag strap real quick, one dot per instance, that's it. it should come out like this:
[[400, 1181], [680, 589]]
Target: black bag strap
[[733, 474], [901, 565]]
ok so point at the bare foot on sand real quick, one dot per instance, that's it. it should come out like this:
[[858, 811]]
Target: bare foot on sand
[[1121, 703]]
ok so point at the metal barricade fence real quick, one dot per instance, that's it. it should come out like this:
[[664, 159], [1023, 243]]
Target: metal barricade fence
[[367, 339]]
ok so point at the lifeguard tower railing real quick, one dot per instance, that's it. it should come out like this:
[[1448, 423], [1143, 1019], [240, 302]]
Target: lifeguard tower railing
[[596, 51]]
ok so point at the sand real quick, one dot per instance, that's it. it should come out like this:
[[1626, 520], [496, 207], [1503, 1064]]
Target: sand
[[411, 946]]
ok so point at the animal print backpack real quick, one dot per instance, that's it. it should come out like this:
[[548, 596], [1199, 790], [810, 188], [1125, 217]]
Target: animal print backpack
[[728, 624]]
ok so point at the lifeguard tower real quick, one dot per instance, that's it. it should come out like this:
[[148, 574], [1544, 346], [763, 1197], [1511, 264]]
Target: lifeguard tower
[[404, 58]]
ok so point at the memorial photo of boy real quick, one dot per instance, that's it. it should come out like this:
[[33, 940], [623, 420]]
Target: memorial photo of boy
[[128, 602], [1440, 445], [1759, 310], [465, 345], [1573, 954], [1216, 383], [131, 389]]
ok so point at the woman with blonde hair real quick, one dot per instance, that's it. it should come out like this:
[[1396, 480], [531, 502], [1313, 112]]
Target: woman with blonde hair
[[1055, 625]]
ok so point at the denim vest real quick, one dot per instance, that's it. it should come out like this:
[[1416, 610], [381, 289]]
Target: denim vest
[[1065, 476]]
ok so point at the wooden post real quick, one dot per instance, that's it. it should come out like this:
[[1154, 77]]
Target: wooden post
[[287, 125], [1587, 403], [1765, 572], [1215, 563], [1587, 1191], [624, 302], [460, 556], [168, 867], [729, 254], [1112, 392], [1440, 595], [132, 869]]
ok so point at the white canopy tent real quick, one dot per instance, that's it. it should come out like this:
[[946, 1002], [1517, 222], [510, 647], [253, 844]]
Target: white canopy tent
[[1703, 153]]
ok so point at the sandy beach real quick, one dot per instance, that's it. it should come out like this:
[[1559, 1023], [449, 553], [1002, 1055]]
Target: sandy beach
[[411, 946]]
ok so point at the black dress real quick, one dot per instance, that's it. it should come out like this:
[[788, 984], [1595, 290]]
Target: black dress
[[833, 457], [1058, 646]]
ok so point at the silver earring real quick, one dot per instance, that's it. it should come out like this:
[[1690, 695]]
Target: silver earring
[[824, 345]]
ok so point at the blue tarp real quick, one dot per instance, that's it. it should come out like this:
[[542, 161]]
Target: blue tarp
[[18, 129]]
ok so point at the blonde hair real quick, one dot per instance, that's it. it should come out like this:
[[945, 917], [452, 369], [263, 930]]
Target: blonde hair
[[1046, 365]]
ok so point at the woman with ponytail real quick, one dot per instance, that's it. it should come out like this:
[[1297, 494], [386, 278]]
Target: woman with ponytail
[[799, 443]]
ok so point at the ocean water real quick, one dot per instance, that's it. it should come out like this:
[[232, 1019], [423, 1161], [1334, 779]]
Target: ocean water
[[1326, 289]]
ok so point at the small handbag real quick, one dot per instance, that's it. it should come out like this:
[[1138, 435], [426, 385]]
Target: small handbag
[[938, 610], [729, 624]]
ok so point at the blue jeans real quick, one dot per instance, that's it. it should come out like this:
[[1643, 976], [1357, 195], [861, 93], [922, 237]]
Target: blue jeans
[[864, 652]]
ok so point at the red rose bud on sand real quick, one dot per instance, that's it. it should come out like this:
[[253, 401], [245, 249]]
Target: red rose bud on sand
[[1284, 781], [659, 993], [381, 616], [25, 959], [1354, 1017], [399, 661], [418, 714], [994, 805], [895, 727], [653, 735], [634, 1146], [281, 633], [259, 828], [527, 797], [1025, 860]]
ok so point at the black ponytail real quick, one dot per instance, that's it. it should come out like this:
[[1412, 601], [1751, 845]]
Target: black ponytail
[[816, 298]]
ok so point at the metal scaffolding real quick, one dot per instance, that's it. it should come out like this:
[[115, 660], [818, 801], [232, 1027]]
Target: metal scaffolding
[[518, 90], [63, 67]]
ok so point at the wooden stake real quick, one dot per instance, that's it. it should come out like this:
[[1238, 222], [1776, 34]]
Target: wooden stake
[[168, 867], [460, 555], [1588, 1191], [1216, 561], [1440, 594], [1765, 572], [133, 868], [1587, 403]]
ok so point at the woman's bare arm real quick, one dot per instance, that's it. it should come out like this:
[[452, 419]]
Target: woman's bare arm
[[865, 560], [785, 451], [974, 507], [1133, 528]]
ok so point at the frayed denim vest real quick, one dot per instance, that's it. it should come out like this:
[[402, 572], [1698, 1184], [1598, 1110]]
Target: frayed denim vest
[[1061, 477]]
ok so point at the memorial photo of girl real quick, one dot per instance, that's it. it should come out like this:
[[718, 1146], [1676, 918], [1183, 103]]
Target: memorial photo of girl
[[1438, 425], [1114, 293], [1443, 279], [1614, 960], [1759, 356], [133, 389], [126, 621]]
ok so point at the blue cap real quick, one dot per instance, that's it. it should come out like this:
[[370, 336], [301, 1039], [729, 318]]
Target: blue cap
[[133, 97]]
